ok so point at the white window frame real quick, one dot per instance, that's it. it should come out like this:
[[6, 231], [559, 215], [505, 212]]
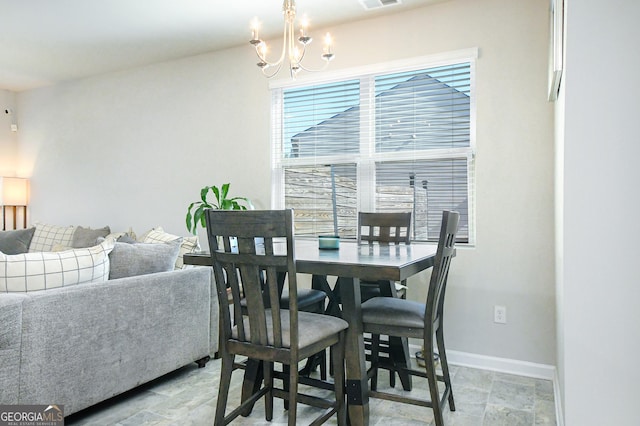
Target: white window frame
[[367, 158]]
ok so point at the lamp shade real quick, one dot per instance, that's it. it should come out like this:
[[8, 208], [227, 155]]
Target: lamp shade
[[14, 191]]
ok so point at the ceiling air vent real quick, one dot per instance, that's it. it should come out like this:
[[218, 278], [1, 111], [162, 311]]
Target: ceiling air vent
[[375, 4]]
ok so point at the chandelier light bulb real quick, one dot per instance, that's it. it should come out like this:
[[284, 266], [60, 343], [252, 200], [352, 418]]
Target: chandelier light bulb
[[255, 29]]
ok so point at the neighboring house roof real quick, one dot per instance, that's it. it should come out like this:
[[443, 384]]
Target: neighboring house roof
[[432, 100]]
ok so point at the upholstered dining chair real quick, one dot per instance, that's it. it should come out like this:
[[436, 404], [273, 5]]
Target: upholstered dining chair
[[267, 332], [399, 317]]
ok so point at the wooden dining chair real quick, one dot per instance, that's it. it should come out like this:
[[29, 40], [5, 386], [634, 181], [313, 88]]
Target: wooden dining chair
[[268, 333], [386, 229], [405, 318]]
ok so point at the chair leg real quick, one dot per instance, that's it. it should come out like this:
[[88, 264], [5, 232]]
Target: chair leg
[[285, 383], [323, 364], [392, 378], [445, 366], [268, 398], [337, 352], [375, 353], [433, 383], [293, 395], [223, 390]]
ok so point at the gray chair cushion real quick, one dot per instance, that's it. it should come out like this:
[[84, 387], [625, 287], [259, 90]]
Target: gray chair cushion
[[16, 242], [311, 328], [128, 260], [393, 312], [308, 298]]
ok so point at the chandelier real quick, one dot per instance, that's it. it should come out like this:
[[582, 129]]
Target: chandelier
[[291, 53]]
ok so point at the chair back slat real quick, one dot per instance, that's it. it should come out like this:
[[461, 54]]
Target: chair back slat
[[386, 228], [253, 294], [440, 272], [257, 245], [229, 272]]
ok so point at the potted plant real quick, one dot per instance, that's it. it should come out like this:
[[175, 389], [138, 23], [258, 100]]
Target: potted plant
[[195, 212]]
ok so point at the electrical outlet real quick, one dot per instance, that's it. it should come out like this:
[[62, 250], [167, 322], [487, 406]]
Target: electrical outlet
[[500, 314]]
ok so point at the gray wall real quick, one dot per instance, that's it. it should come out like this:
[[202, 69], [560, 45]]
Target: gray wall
[[8, 139], [133, 149]]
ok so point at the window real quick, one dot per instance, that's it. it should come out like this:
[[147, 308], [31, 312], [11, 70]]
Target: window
[[399, 141]]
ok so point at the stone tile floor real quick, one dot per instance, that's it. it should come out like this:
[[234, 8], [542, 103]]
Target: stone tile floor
[[188, 396]]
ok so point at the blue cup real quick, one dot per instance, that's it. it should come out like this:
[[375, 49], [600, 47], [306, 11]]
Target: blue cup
[[329, 242]]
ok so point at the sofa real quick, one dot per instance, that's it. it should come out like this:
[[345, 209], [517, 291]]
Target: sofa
[[98, 331]]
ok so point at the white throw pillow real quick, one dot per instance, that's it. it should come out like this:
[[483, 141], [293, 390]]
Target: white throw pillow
[[46, 236], [189, 244], [46, 270]]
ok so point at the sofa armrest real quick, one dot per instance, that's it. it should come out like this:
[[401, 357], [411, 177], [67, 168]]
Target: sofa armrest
[[10, 346], [214, 315]]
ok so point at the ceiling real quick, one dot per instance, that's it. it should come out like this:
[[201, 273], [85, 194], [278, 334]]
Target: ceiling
[[44, 42]]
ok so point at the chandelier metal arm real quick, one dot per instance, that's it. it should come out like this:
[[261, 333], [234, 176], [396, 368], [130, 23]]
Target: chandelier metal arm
[[262, 56]]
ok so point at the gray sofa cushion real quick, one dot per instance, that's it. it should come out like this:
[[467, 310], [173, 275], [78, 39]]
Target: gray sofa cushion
[[16, 242], [87, 237], [128, 260]]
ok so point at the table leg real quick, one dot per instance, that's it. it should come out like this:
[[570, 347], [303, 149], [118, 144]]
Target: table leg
[[319, 282], [399, 355], [357, 384], [253, 375]]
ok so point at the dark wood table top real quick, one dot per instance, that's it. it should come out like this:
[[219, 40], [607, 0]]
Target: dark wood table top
[[375, 262]]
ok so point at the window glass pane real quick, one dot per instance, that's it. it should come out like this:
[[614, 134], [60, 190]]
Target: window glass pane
[[324, 199], [379, 142], [427, 109], [426, 188], [322, 120]]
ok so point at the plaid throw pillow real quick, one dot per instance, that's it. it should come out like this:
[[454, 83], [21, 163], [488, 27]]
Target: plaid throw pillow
[[46, 236], [42, 271], [188, 245]]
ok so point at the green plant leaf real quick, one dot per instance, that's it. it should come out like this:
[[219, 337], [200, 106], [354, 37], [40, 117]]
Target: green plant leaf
[[216, 193], [198, 216], [203, 194], [225, 190], [189, 219]]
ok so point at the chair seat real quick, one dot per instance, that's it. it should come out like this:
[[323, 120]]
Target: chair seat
[[306, 297], [394, 312], [312, 328]]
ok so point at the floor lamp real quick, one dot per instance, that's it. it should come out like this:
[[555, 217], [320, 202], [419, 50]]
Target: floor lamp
[[14, 193]]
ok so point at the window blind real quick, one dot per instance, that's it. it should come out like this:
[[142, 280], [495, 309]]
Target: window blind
[[381, 142]]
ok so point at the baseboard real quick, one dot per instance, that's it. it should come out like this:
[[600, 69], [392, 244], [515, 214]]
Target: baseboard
[[503, 365], [509, 366]]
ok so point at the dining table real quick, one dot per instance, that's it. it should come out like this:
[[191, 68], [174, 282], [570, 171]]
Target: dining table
[[351, 262]]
